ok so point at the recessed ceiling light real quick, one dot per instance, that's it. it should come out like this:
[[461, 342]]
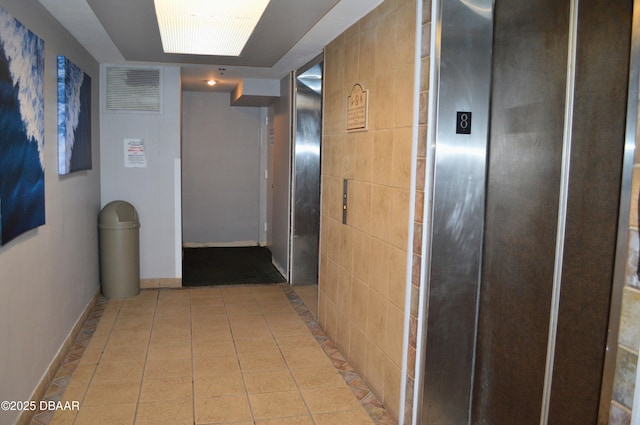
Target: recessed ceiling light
[[211, 82], [205, 27]]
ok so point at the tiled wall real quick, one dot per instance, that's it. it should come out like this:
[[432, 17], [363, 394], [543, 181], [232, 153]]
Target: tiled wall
[[363, 269], [425, 51], [629, 337]]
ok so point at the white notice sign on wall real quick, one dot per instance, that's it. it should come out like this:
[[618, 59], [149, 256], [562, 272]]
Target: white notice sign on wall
[[134, 155]]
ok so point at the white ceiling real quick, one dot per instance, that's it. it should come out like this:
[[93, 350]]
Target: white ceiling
[[290, 34]]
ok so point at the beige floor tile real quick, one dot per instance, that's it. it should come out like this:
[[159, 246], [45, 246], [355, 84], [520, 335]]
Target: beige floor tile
[[297, 342], [112, 392], [332, 399], [83, 373], [269, 381], [165, 412], [268, 297], [155, 389], [212, 366], [261, 361], [170, 337], [222, 333], [75, 391], [63, 417], [351, 417], [318, 377], [120, 414], [243, 309], [116, 353], [215, 386], [296, 420], [213, 348], [170, 368], [165, 351], [139, 338], [206, 292], [276, 307], [256, 344], [296, 328], [126, 370], [277, 405], [213, 313], [248, 330], [230, 299], [222, 409], [310, 357]]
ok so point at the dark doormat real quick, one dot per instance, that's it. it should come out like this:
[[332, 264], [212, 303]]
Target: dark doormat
[[228, 266]]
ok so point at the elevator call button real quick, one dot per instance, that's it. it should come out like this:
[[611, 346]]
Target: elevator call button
[[463, 123]]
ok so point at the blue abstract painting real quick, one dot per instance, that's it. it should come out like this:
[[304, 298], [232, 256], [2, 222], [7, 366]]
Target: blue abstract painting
[[21, 129], [74, 118]]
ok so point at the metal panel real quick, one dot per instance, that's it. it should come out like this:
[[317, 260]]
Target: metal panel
[[602, 69], [463, 59], [623, 221], [527, 131], [306, 177]]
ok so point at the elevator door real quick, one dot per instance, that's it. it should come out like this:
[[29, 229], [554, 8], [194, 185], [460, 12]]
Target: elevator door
[[519, 336]]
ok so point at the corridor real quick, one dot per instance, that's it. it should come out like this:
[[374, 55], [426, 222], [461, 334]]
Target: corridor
[[211, 355]]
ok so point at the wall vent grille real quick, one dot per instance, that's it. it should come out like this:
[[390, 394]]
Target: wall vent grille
[[133, 89]]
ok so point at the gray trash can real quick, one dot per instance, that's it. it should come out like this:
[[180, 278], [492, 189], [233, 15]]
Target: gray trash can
[[119, 228]]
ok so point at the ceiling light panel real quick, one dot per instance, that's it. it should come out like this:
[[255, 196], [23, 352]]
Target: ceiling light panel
[[207, 27]]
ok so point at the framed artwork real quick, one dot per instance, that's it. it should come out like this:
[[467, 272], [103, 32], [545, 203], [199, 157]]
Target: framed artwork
[[74, 118], [22, 205]]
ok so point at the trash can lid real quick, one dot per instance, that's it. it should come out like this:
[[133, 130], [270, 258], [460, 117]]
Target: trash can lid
[[119, 215]]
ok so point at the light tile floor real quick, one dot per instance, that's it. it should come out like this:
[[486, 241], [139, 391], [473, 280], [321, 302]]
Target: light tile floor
[[217, 355]]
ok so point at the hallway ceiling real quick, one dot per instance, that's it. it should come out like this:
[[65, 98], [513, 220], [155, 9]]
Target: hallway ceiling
[[290, 33]]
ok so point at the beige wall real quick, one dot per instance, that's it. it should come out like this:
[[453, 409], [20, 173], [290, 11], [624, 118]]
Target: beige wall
[[363, 263], [50, 275]]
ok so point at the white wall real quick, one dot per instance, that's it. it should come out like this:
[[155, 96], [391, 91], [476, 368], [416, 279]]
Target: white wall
[[151, 190], [281, 152], [221, 171], [49, 275]]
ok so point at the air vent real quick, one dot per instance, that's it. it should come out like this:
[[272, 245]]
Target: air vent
[[133, 89]]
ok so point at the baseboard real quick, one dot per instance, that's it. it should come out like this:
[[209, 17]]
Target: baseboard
[[163, 282], [41, 389], [234, 244]]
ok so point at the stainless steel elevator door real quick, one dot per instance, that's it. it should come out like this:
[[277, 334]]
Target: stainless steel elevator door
[[305, 207], [531, 351]]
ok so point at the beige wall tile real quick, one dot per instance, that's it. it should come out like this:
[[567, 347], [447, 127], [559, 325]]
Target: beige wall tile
[[392, 388], [402, 145], [400, 218], [359, 303], [344, 295], [367, 55], [344, 333], [382, 156], [345, 256], [375, 370], [393, 338], [379, 267], [386, 44], [376, 318], [382, 101], [351, 50], [364, 156], [397, 276], [381, 197], [359, 207], [361, 252], [358, 348]]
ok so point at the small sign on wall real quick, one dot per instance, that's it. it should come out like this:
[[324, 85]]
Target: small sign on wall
[[134, 154], [358, 109]]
